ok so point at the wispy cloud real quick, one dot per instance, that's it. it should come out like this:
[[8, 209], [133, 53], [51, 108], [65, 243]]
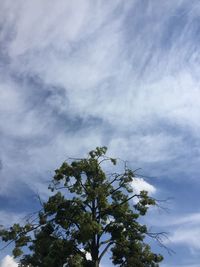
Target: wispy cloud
[[185, 231]]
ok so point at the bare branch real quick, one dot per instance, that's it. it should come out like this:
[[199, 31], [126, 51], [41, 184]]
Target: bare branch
[[115, 190], [104, 242], [126, 200], [159, 237]]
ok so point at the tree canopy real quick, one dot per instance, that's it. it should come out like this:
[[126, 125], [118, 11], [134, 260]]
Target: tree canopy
[[89, 213]]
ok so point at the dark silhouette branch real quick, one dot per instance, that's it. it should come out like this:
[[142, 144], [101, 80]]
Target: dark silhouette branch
[[105, 250]]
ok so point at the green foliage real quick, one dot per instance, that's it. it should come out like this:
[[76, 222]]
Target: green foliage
[[90, 212]]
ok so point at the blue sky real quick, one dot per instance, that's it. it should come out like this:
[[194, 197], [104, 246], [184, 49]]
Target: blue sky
[[78, 74]]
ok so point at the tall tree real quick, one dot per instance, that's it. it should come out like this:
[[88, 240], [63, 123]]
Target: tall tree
[[90, 213]]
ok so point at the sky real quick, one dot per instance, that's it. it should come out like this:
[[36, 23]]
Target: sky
[[125, 74]]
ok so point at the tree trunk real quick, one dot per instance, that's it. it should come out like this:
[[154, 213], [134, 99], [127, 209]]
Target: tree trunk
[[95, 254], [96, 263]]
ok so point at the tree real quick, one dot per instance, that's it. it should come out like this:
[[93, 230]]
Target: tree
[[89, 213]]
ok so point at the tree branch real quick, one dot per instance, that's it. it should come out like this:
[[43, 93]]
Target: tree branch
[[105, 250], [113, 191], [104, 242], [126, 200], [159, 238], [115, 179]]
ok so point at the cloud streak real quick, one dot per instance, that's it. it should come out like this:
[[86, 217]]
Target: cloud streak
[[185, 231]]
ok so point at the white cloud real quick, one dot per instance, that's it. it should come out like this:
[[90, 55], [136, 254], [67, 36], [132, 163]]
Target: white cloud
[[8, 261], [70, 16], [146, 148], [98, 68], [140, 184], [97, 58], [115, 67]]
